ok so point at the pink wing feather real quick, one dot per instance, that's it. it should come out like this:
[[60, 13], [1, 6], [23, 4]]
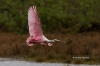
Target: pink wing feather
[[35, 29]]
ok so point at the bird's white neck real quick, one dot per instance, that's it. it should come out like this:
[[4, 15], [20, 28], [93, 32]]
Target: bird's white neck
[[51, 41]]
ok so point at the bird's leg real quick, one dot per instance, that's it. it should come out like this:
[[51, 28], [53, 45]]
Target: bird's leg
[[49, 44], [24, 44], [30, 44], [43, 43], [59, 40], [27, 44]]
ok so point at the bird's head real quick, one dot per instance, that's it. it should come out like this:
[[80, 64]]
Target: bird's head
[[59, 40]]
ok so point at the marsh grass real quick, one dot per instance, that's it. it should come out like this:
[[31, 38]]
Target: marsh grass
[[80, 44]]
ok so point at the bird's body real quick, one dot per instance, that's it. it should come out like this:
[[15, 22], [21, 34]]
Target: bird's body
[[35, 29]]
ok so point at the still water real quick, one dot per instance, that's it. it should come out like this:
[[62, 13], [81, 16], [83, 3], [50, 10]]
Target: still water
[[10, 62]]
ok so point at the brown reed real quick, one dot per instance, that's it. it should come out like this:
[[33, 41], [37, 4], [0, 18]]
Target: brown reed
[[85, 44]]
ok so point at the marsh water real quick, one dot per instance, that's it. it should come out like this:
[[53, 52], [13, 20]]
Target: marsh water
[[10, 62]]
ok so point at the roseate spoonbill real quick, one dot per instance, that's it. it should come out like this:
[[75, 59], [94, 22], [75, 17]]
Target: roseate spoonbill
[[35, 30]]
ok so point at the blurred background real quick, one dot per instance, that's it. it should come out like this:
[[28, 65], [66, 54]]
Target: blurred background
[[61, 16], [75, 21]]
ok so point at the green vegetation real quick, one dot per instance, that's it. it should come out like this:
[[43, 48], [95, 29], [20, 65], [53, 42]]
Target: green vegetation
[[56, 15], [78, 45], [59, 17]]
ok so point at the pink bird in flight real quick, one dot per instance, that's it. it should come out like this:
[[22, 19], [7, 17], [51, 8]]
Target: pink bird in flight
[[35, 30]]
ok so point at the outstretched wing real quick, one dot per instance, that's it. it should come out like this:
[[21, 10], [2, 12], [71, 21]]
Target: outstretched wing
[[34, 24]]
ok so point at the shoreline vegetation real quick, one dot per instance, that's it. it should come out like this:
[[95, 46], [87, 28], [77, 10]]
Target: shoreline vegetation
[[56, 15], [79, 45], [75, 21]]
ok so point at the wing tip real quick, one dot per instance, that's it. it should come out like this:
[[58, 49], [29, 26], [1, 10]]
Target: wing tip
[[32, 7]]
